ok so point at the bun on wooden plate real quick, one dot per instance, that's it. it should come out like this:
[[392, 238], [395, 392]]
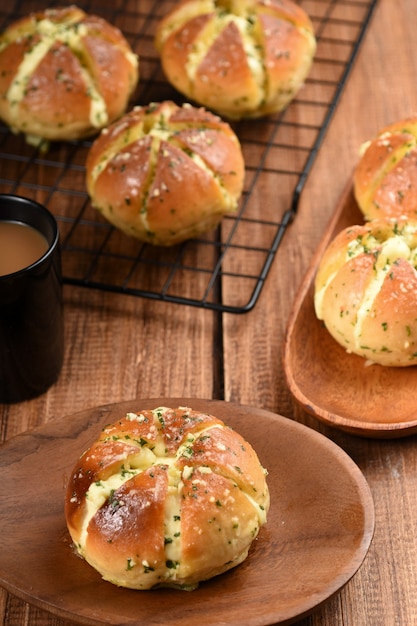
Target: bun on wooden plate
[[241, 58], [165, 173], [64, 74], [385, 178], [166, 497], [366, 291]]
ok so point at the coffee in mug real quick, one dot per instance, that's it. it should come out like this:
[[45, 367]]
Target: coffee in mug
[[31, 323]]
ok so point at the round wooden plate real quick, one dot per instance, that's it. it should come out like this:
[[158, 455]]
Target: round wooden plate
[[319, 528]]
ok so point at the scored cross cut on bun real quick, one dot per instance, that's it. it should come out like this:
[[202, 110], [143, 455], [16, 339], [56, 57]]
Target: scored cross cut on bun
[[165, 173], [64, 74], [240, 58], [385, 178], [366, 291], [166, 497]]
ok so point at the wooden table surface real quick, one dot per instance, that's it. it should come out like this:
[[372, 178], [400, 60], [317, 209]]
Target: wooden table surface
[[122, 347]]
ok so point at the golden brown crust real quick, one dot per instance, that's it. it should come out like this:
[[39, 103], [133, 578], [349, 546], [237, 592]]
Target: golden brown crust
[[166, 497], [226, 83], [165, 173], [241, 59], [64, 74], [385, 178], [366, 291], [129, 523]]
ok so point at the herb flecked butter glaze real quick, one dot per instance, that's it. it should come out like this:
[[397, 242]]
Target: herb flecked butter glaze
[[385, 178], [165, 173], [240, 58], [64, 74], [166, 497], [366, 291]]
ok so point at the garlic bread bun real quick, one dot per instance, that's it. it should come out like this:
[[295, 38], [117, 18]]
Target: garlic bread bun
[[240, 58], [64, 74], [166, 497], [165, 173], [385, 178], [366, 291]]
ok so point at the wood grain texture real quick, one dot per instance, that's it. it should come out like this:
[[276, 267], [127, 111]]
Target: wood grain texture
[[318, 531], [120, 348]]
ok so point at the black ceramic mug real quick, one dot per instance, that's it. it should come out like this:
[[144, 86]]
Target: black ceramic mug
[[31, 322]]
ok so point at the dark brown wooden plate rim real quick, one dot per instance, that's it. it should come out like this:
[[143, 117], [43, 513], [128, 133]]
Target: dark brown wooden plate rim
[[39, 565]]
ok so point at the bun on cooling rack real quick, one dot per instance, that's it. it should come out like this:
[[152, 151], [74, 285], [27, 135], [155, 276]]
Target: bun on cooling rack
[[366, 291], [166, 497], [240, 58], [64, 74], [385, 179], [165, 173]]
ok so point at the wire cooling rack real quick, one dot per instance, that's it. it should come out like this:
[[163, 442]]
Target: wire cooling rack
[[226, 269]]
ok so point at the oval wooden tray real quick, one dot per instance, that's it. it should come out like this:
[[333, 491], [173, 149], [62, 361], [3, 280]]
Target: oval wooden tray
[[336, 387], [319, 527]]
